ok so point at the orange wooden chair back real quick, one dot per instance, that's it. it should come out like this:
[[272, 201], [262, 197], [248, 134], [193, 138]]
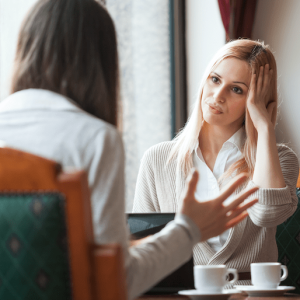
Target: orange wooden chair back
[[96, 271], [109, 272]]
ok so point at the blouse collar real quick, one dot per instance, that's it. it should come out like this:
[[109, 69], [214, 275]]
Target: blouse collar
[[236, 140], [37, 99]]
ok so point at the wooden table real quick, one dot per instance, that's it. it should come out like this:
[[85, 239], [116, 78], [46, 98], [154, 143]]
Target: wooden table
[[233, 297]]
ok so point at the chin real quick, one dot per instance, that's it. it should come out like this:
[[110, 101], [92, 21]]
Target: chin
[[213, 120], [215, 123]]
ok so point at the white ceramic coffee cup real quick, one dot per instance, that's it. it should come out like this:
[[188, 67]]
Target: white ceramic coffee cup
[[267, 275], [212, 279]]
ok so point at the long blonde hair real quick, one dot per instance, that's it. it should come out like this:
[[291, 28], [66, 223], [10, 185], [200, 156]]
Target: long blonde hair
[[256, 54]]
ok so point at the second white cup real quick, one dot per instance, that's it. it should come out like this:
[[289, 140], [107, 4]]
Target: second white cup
[[267, 275], [212, 279]]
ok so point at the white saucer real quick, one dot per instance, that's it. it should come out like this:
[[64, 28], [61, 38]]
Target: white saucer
[[198, 295], [261, 292]]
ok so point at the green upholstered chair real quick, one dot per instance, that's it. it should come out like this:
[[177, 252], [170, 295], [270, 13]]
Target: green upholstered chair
[[288, 242], [34, 262], [47, 249]]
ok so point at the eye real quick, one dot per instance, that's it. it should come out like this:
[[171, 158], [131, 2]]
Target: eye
[[237, 90], [215, 79]]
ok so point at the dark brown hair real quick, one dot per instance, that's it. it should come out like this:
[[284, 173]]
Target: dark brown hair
[[69, 47]]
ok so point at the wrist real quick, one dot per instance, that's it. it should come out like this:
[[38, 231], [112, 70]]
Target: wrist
[[265, 128], [190, 224]]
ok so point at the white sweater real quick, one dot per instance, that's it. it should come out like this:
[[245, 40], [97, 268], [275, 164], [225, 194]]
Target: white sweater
[[47, 124], [160, 187]]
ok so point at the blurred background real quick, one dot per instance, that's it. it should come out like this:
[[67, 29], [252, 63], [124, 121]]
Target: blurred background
[[164, 47]]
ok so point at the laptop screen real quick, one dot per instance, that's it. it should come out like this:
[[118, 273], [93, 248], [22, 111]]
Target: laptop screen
[[144, 224]]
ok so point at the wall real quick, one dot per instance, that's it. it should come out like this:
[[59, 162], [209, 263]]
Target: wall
[[277, 22], [205, 35]]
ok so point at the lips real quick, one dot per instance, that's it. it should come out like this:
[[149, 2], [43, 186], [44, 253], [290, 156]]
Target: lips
[[214, 110]]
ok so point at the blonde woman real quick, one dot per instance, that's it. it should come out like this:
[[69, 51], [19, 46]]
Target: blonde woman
[[231, 130]]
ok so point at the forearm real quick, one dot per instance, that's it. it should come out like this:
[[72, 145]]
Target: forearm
[[271, 216], [267, 171], [159, 255], [274, 206]]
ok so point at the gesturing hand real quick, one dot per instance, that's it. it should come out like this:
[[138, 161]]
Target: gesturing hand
[[259, 96], [213, 217]]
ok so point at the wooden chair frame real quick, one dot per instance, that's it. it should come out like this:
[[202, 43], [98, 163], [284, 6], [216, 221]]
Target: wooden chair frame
[[96, 271]]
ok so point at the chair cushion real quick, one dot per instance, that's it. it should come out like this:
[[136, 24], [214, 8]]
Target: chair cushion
[[33, 247], [288, 243]]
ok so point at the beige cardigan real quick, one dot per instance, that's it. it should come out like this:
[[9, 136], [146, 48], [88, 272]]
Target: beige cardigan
[[160, 188]]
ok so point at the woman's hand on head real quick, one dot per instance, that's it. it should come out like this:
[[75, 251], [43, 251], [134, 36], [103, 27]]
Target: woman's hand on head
[[259, 95], [212, 217]]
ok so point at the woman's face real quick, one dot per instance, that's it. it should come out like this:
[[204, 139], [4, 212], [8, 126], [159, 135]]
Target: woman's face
[[225, 93]]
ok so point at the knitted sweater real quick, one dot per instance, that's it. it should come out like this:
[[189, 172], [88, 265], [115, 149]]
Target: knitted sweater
[[160, 188]]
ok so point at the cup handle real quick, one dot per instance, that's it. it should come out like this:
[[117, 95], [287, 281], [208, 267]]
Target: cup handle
[[285, 273], [235, 275]]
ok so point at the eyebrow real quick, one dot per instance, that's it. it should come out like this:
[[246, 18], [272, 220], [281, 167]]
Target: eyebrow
[[233, 81]]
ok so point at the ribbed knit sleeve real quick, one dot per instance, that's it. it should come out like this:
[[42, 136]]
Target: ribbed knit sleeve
[[156, 177], [145, 199], [276, 205]]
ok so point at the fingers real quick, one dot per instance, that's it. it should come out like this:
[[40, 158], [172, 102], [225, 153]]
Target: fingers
[[216, 227], [251, 94], [240, 198], [220, 223], [271, 75], [240, 209], [260, 80], [263, 82], [219, 227], [236, 220], [231, 187], [266, 78], [271, 107], [192, 185]]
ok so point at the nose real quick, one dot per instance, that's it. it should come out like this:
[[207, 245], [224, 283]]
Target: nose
[[220, 94]]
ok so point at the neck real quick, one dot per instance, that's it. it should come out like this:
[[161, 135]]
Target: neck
[[212, 138]]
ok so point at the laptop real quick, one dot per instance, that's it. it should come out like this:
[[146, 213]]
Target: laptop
[[144, 224]]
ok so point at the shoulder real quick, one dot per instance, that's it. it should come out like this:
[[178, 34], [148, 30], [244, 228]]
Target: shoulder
[[97, 139], [96, 130], [159, 153], [154, 161], [109, 138]]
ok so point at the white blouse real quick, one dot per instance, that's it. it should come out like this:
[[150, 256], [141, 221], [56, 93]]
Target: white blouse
[[52, 126], [208, 186]]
